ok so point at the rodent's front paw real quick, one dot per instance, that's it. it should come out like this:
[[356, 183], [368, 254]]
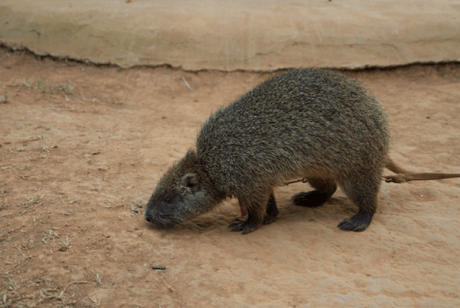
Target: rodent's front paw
[[245, 226]]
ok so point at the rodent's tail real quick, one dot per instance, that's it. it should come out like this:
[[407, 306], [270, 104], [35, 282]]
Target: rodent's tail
[[403, 175]]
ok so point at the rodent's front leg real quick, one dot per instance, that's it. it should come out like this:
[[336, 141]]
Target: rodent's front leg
[[253, 220]]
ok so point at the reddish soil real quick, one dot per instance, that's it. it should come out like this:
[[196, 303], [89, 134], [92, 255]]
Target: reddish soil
[[80, 146]]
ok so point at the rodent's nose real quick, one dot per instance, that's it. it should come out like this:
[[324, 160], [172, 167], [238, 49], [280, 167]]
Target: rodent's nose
[[148, 219]]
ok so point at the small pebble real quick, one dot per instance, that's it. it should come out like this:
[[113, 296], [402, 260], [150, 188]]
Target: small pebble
[[159, 267]]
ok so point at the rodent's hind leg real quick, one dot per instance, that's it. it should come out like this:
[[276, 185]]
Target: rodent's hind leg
[[272, 210], [325, 188], [362, 191]]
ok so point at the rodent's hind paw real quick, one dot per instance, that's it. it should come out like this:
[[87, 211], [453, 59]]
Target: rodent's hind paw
[[356, 223], [312, 198], [245, 226]]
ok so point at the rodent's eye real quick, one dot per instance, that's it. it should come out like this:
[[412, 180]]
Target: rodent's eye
[[168, 199]]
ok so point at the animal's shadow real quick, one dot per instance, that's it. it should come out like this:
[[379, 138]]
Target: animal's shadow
[[332, 212]]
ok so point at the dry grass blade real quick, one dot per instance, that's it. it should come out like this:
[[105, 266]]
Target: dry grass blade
[[186, 83], [33, 201], [95, 300], [10, 283], [49, 294], [5, 183], [68, 285], [17, 247], [66, 88], [49, 235], [168, 286], [41, 142], [99, 279], [4, 98]]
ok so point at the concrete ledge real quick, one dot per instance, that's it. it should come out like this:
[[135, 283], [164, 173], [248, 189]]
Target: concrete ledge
[[238, 34]]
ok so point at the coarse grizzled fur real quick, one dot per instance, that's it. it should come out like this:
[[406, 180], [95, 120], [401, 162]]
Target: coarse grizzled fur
[[305, 122]]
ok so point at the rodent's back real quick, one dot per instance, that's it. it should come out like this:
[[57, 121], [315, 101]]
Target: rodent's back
[[304, 120]]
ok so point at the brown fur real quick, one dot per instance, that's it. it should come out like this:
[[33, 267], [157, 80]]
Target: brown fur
[[308, 123]]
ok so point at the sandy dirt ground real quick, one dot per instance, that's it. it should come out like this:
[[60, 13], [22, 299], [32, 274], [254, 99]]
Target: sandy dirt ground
[[82, 146]]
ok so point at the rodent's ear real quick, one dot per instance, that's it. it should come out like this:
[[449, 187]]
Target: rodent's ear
[[191, 181]]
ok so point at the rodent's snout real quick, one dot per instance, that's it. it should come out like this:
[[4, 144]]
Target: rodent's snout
[[162, 221]]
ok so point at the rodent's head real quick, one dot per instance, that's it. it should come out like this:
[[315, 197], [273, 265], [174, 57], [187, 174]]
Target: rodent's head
[[183, 193]]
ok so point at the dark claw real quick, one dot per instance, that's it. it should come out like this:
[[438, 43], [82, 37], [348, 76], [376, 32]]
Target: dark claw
[[243, 225], [268, 219], [236, 225], [356, 223]]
